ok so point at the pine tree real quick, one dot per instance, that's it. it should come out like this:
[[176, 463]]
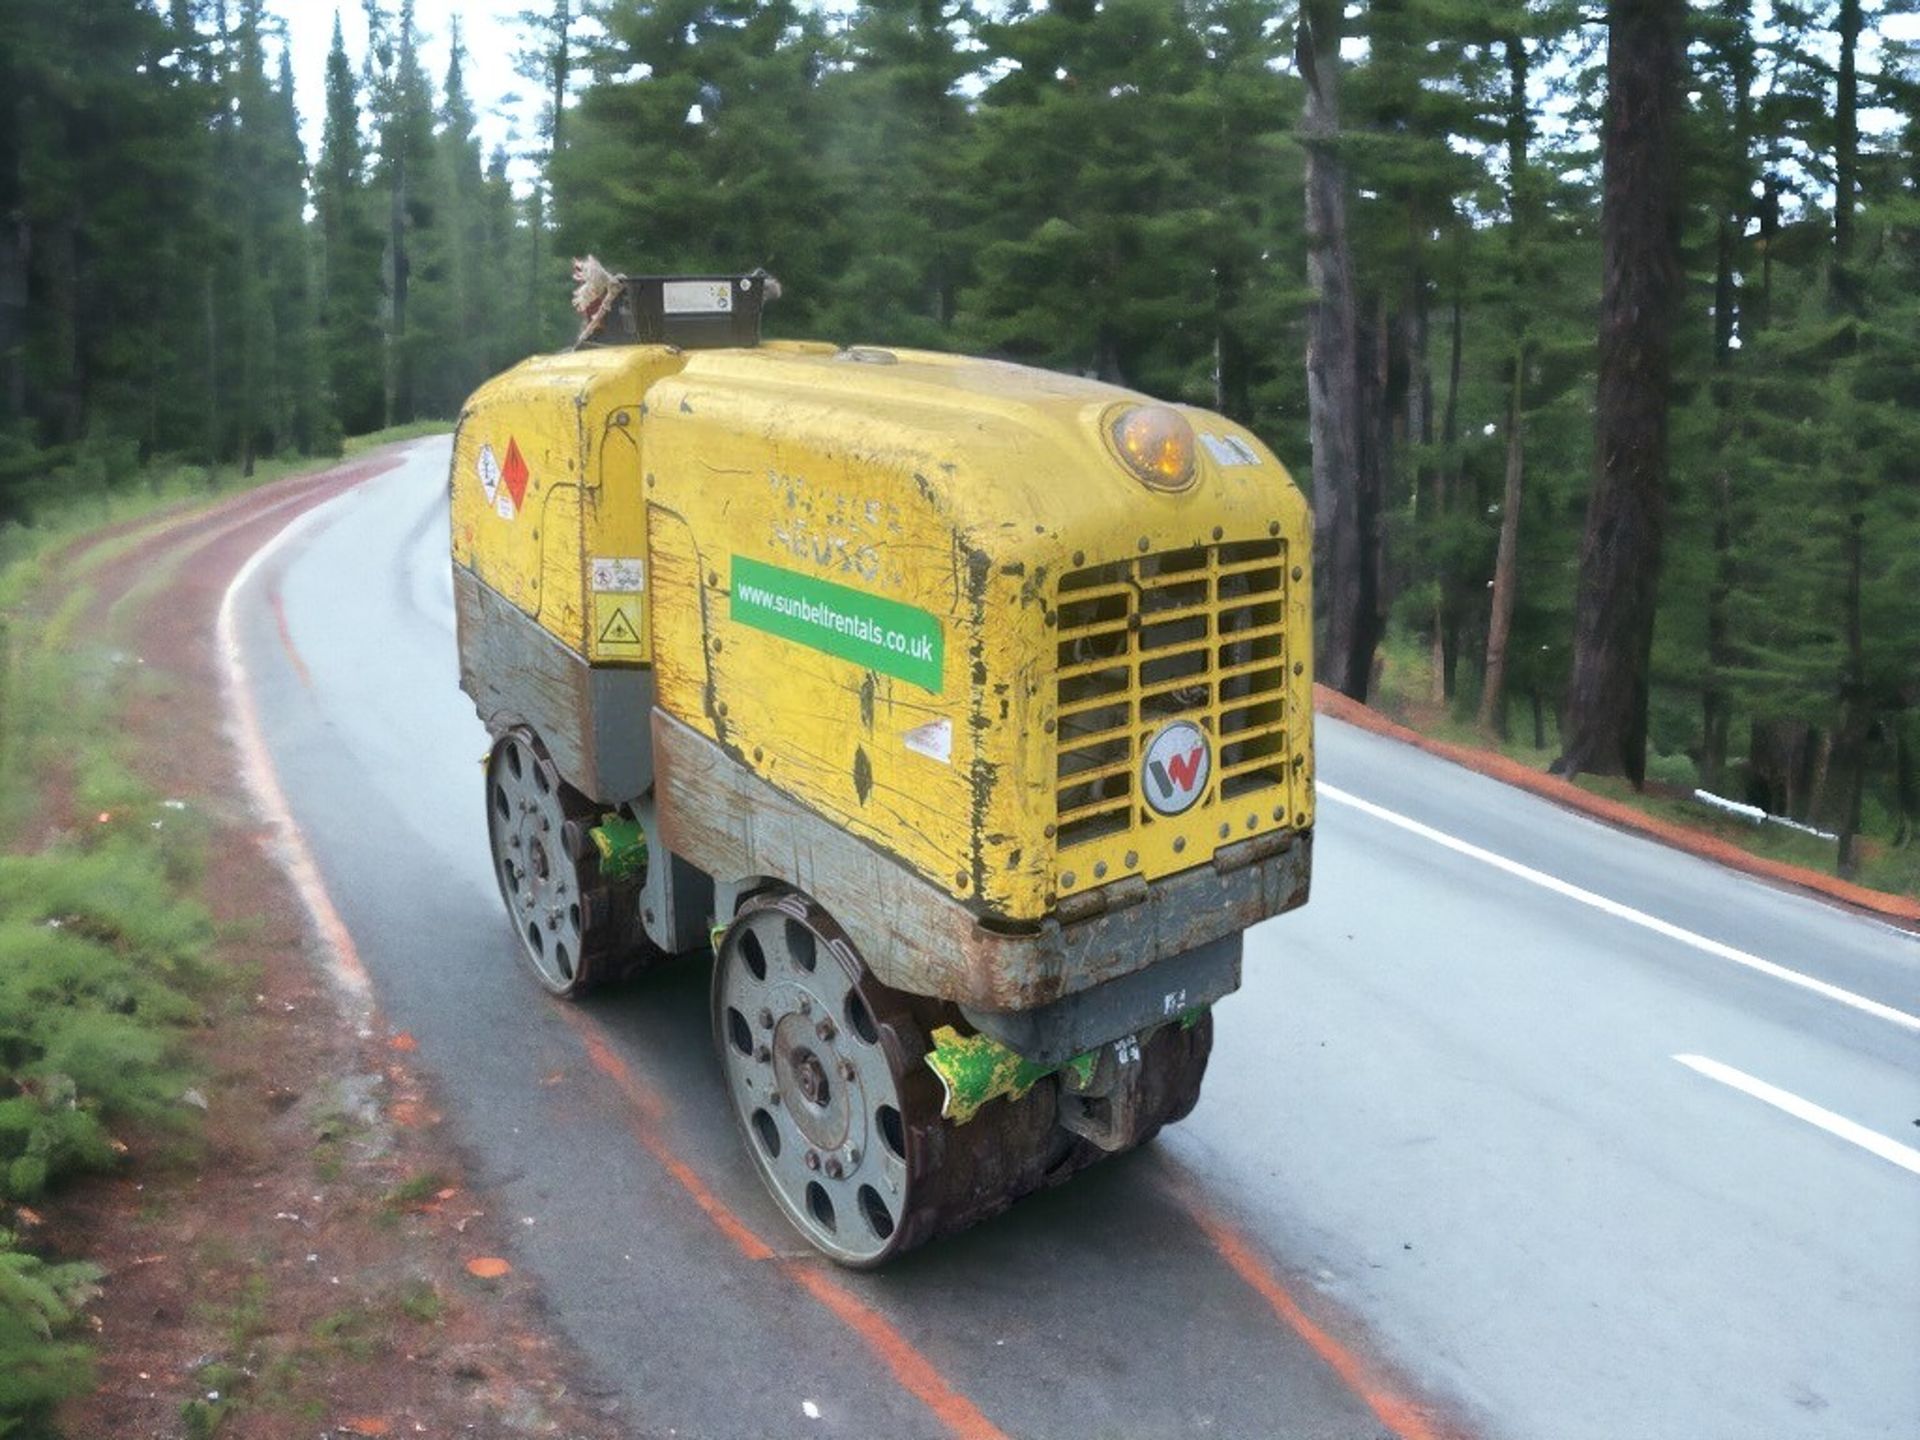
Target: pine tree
[[501, 262], [703, 149], [1346, 487], [548, 61], [100, 169], [403, 107], [1620, 554], [267, 291], [350, 251], [1093, 241], [450, 316], [895, 131]]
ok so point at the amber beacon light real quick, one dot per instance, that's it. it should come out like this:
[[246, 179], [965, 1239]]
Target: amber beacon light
[[1156, 444]]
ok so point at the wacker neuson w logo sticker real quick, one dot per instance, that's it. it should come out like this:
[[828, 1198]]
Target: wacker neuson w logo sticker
[[1173, 774], [880, 634]]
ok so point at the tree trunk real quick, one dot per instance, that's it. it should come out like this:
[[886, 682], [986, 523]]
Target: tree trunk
[[212, 312], [1812, 807], [1716, 706], [1769, 233], [1445, 650], [16, 250], [1906, 778], [1419, 387], [1606, 730], [16, 254], [1856, 718], [16, 246], [1379, 421], [1333, 365], [1730, 317], [1230, 386], [63, 329], [562, 66], [1506, 568], [397, 407], [1846, 137], [537, 211], [1106, 357]]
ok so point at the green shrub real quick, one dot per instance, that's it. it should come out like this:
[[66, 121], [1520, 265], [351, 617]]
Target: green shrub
[[1676, 770], [39, 1364], [104, 969]]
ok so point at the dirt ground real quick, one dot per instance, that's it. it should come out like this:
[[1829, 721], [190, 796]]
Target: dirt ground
[[317, 1265]]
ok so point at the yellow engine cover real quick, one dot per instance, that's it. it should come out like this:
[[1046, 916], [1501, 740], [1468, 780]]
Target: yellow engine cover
[[922, 595]]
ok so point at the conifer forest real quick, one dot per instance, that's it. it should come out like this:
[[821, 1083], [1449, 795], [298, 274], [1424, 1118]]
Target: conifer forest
[[1593, 331]]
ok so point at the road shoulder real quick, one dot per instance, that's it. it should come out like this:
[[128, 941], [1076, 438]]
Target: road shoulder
[[317, 1261], [1898, 909]]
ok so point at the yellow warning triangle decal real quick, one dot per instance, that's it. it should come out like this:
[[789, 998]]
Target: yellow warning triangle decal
[[619, 630]]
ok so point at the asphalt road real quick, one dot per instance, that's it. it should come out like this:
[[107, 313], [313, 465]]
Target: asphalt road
[[1448, 1175]]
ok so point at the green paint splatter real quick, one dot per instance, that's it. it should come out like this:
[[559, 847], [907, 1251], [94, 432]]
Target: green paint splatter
[[977, 1068]]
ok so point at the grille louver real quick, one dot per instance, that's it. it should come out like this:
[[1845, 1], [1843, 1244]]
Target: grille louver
[[1197, 634]]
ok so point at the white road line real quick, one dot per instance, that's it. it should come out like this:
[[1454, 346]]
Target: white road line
[[1905, 1156], [1632, 916], [263, 780]]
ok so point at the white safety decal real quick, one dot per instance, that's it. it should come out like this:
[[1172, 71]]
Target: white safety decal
[[696, 297], [1230, 450], [617, 574], [933, 739], [488, 468]]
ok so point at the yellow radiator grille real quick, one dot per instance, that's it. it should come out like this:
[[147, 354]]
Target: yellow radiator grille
[[1194, 634]]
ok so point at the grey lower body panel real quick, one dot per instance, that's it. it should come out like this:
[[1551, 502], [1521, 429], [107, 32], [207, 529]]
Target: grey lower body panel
[[1169, 989], [591, 718], [714, 811]]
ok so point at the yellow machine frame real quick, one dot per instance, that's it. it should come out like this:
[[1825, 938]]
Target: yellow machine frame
[[986, 497]]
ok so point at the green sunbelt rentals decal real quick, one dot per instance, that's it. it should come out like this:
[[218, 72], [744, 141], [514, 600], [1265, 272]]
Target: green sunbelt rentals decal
[[884, 635]]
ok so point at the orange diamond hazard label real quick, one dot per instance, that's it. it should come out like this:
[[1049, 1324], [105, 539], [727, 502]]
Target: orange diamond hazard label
[[511, 493]]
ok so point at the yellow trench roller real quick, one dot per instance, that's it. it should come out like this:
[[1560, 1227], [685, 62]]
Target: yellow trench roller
[[948, 694]]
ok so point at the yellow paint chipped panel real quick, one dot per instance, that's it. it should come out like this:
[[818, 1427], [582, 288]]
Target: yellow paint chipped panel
[[922, 595], [963, 491], [546, 479]]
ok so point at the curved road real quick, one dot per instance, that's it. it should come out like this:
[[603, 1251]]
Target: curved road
[[1523, 1128]]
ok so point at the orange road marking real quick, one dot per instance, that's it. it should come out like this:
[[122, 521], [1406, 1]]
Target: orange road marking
[[917, 1375], [286, 639], [1403, 1417], [913, 1370], [649, 1109]]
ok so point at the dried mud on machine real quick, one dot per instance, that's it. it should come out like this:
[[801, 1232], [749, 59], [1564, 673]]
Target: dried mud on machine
[[962, 708]]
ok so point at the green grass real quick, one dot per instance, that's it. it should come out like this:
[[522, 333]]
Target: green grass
[[261, 1371], [89, 502], [419, 1302], [416, 430], [410, 1193], [106, 975]]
